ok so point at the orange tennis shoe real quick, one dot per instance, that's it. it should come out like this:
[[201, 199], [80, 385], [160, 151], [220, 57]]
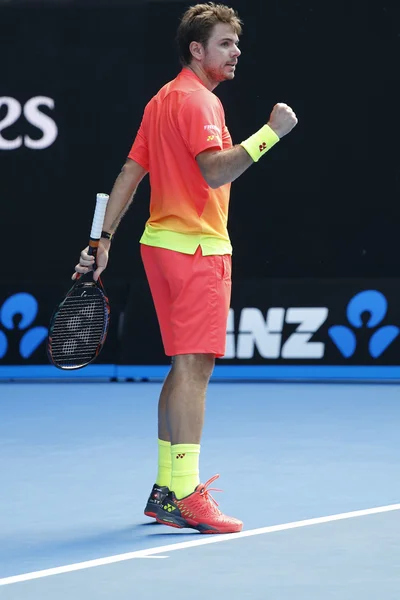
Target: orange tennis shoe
[[198, 511]]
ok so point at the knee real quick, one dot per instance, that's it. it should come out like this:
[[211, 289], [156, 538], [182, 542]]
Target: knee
[[206, 365], [198, 366]]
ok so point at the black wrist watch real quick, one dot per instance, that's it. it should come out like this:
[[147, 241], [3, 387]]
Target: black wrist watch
[[106, 235]]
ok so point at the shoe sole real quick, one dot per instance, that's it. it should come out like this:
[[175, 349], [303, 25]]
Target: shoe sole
[[180, 523]]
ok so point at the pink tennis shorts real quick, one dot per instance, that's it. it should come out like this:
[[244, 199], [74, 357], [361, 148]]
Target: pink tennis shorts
[[191, 295]]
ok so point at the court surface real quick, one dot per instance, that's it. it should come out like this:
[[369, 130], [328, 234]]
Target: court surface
[[77, 462]]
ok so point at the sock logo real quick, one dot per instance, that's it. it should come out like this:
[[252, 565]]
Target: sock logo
[[180, 455]]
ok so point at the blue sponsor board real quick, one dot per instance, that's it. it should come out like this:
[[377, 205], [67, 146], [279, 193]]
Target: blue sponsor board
[[277, 330]]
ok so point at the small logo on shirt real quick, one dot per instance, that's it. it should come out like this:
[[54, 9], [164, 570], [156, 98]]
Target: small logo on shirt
[[212, 128], [210, 138]]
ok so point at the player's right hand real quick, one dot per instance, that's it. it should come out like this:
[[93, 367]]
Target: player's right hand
[[282, 119], [86, 261]]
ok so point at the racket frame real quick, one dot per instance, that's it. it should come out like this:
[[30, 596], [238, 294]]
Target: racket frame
[[94, 241]]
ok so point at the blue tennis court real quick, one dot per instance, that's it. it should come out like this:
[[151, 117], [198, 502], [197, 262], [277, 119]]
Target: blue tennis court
[[311, 469]]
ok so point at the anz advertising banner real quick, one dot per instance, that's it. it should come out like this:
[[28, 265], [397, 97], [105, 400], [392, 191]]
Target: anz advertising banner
[[277, 329], [330, 322]]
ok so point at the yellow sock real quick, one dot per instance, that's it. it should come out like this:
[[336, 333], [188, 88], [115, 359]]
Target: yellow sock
[[185, 469], [164, 463]]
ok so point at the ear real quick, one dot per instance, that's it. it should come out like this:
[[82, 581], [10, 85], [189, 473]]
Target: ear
[[196, 50]]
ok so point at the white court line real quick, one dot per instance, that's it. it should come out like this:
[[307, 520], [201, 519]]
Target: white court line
[[202, 541]]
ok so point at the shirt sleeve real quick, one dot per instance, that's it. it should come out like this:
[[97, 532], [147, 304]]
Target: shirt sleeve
[[201, 122], [226, 138], [140, 150]]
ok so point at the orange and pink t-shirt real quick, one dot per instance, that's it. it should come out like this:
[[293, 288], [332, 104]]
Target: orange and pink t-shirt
[[181, 121]]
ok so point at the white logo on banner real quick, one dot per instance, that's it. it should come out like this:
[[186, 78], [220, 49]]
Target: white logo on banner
[[32, 113], [265, 333]]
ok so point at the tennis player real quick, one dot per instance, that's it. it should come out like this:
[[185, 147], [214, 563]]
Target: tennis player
[[185, 146]]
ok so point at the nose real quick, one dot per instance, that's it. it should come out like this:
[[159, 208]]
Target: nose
[[237, 51]]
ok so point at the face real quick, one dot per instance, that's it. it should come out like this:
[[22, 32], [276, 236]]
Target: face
[[219, 57]]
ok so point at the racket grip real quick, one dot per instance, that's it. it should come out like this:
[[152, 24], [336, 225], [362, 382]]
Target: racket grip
[[98, 217], [92, 251], [97, 224]]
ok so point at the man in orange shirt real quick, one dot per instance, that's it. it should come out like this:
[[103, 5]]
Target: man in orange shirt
[[185, 146]]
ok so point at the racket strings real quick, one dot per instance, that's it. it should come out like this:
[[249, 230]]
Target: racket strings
[[78, 329]]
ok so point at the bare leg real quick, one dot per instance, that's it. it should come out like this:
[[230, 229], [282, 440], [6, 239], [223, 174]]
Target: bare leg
[[163, 428], [182, 400]]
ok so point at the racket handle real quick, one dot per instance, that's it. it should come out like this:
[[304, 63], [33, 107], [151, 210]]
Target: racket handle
[[98, 217], [97, 223]]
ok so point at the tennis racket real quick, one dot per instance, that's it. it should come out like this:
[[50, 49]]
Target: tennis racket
[[79, 325]]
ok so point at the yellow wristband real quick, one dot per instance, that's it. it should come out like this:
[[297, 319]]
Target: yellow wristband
[[260, 142]]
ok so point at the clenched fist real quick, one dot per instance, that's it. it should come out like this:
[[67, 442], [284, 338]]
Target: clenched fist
[[282, 119]]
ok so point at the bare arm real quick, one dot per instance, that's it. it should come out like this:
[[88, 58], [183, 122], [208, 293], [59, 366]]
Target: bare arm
[[120, 199], [122, 194], [223, 166]]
